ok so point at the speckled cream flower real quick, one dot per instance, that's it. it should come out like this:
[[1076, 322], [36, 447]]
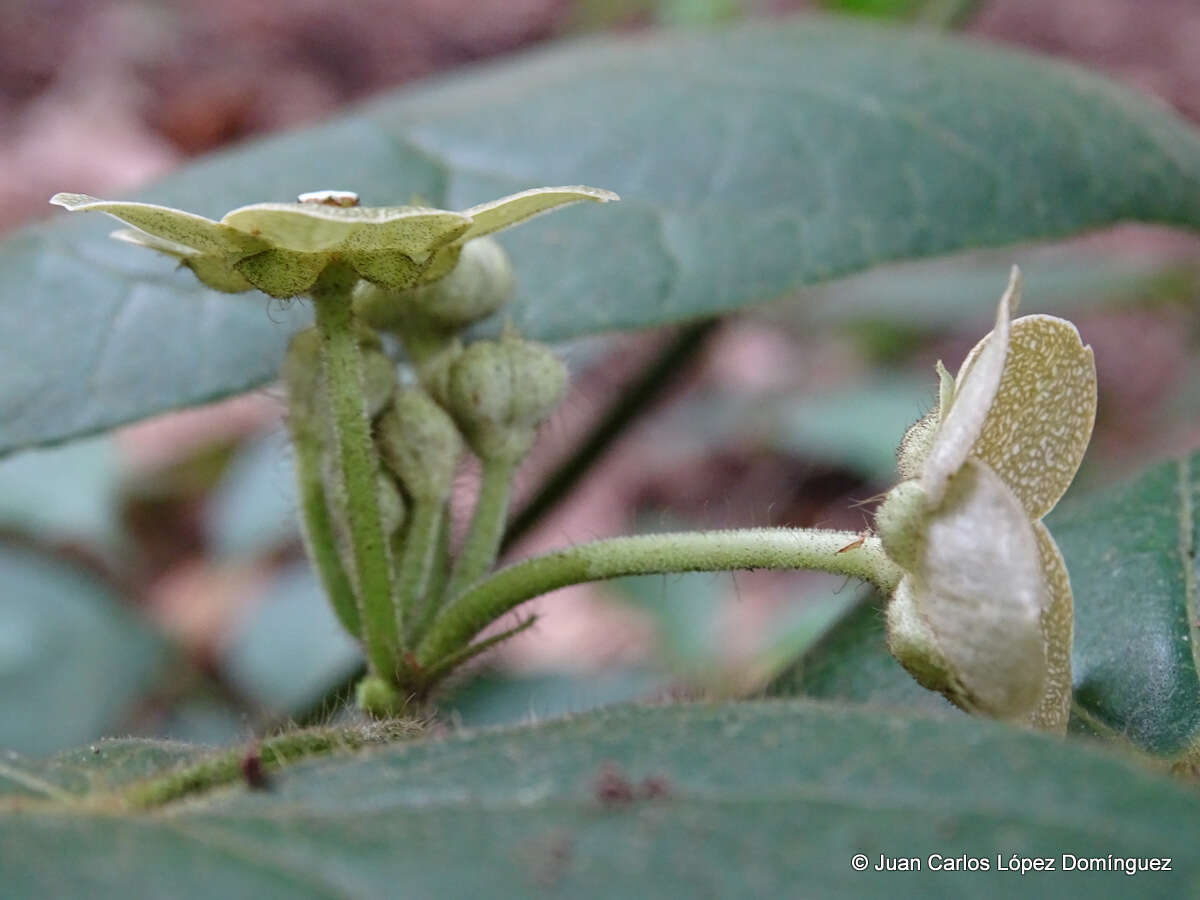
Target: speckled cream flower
[[984, 612], [281, 248]]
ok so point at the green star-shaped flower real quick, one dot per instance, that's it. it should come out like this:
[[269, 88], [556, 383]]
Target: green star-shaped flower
[[281, 248]]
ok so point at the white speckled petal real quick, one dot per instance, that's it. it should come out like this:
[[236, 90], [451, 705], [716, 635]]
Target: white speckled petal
[[171, 225], [508, 211], [1058, 624], [1040, 422], [979, 585], [316, 228], [973, 394]]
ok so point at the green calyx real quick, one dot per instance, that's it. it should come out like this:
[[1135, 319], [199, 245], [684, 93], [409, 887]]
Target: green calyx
[[900, 523], [914, 644]]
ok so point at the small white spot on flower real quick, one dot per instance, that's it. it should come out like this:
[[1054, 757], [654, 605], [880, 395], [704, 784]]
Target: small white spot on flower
[[330, 198]]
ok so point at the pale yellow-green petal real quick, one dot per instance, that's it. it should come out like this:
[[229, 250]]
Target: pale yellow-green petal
[[1058, 623], [979, 586], [216, 272], [171, 225], [945, 388], [316, 228], [508, 211], [974, 391], [283, 273], [441, 263], [140, 238], [1039, 425]]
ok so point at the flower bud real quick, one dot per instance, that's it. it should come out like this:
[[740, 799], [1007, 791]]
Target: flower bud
[[391, 505], [379, 379], [476, 287], [420, 444], [392, 511], [302, 375], [378, 698], [478, 281], [501, 391]]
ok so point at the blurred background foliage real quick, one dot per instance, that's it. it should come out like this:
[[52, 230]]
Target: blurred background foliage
[[160, 566]]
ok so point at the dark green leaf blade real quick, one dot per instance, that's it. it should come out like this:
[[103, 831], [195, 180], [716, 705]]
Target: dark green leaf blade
[[751, 160], [1131, 552], [103, 766], [72, 661], [851, 663], [753, 799]]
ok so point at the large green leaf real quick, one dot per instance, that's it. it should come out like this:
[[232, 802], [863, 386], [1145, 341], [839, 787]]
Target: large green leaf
[[757, 799], [751, 160], [252, 511], [289, 648], [103, 766], [1131, 551], [503, 699], [851, 663], [72, 660], [961, 291], [67, 493]]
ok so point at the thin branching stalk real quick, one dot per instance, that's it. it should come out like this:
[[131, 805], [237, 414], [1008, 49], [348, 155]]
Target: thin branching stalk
[[838, 552]]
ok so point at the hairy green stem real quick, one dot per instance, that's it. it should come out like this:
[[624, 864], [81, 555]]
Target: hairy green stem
[[635, 398], [417, 562], [838, 552], [435, 592], [448, 664], [320, 540], [227, 766], [482, 543], [357, 465]]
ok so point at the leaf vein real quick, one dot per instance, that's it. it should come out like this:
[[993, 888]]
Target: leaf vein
[[1187, 553], [288, 869]]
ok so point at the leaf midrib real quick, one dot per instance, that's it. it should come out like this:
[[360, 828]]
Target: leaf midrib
[[1186, 544]]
